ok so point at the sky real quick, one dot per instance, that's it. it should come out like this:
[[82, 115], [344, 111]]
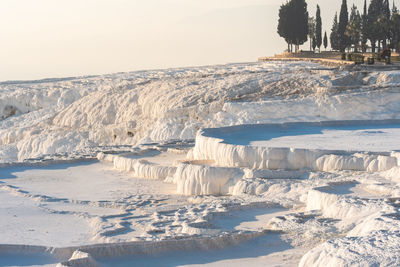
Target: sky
[[63, 38]]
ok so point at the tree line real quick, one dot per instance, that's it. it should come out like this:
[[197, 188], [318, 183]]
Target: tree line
[[378, 24]]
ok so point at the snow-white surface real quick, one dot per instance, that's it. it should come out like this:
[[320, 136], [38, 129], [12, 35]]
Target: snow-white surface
[[346, 135], [151, 166], [378, 249], [83, 203], [210, 145], [280, 193], [206, 180], [74, 116]]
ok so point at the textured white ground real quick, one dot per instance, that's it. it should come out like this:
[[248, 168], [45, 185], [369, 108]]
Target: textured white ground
[[376, 138], [112, 170]]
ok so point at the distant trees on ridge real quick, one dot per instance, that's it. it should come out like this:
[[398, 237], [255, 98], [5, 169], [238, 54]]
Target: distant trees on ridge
[[378, 24]]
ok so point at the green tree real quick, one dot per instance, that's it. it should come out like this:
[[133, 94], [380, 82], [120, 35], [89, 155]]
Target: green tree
[[364, 28], [386, 22], [343, 21], [318, 28], [353, 29], [334, 38], [300, 21], [293, 22], [325, 41], [283, 25], [314, 43], [375, 21], [311, 31], [395, 29]]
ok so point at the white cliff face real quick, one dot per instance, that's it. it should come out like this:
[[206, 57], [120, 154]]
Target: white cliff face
[[138, 167], [218, 168], [79, 114], [206, 180], [259, 157], [329, 189], [378, 249], [356, 162]]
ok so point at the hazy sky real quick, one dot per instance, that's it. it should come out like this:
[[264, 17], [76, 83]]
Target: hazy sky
[[58, 38]]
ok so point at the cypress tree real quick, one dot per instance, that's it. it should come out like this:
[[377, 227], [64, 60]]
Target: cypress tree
[[375, 32], [353, 29], [314, 43], [364, 28], [311, 30], [395, 29], [386, 9], [334, 38], [386, 22], [318, 28], [325, 41], [343, 21]]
